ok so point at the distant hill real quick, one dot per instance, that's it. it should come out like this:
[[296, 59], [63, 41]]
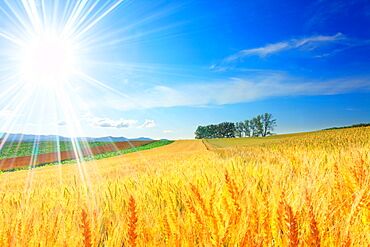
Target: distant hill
[[32, 138], [117, 139]]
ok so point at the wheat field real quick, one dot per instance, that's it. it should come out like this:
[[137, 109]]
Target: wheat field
[[309, 189]]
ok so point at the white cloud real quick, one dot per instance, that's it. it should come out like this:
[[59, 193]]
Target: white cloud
[[62, 123], [148, 124], [110, 123], [316, 40], [261, 51], [168, 131], [303, 43], [238, 90], [121, 123]]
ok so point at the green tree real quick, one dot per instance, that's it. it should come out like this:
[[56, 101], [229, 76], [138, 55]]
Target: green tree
[[269, 123], [247, 128], [200, 132], [256, 126], [226, 130], [212, 131], [239, 129], [259, 125], [252, 126]]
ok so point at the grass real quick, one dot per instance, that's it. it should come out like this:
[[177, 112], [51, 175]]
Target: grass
[[310, 189]]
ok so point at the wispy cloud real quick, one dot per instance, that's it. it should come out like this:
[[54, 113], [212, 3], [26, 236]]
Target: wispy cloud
[[301, 43], [168, 131], [119, 124], [110, 123], [238, 90], [148, 124], [260, 51], [62, 123]]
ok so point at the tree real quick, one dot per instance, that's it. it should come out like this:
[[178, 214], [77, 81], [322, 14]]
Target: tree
[[239, 129], [226, 130], [200, 132], [269, 123], [222, 130], [254, 127], [261, 125], [212, 131], [247, 128]]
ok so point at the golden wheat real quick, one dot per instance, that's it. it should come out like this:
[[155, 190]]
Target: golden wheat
[[310, 189]]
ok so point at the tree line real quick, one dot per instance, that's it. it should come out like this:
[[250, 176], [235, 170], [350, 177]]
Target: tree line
[[261, 125]]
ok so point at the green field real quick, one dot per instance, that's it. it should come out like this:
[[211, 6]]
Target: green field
[[102, 156], [19, 149], [11, 150], [130, 150]]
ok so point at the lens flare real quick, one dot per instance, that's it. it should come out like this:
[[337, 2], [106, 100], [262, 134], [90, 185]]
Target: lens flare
[[47, 60], [45, 48]]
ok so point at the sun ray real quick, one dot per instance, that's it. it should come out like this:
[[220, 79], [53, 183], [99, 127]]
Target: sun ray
[[40, 29], [12, 39], [32, 14], [102, 85], [98, 18], [76, 11], [24, 25]]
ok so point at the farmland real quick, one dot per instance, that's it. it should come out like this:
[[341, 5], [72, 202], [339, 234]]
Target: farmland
[[19, 149], [296, 190], [69, 153]]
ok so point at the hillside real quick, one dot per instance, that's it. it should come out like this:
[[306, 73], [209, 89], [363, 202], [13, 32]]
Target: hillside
[[183, 194]]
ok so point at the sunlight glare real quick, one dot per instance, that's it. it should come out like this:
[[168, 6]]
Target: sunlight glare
[[47, 60]]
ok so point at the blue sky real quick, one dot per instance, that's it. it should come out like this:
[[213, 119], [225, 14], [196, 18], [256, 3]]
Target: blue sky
[[160, 68]]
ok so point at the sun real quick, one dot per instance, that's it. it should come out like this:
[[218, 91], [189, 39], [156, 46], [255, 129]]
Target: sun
[[48, 59], [51, 55]]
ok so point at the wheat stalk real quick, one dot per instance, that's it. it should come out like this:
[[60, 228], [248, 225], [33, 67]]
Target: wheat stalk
[[132, 222], [167, 229], [86, 229], [314, 239], [291, 222], [199, 198]]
